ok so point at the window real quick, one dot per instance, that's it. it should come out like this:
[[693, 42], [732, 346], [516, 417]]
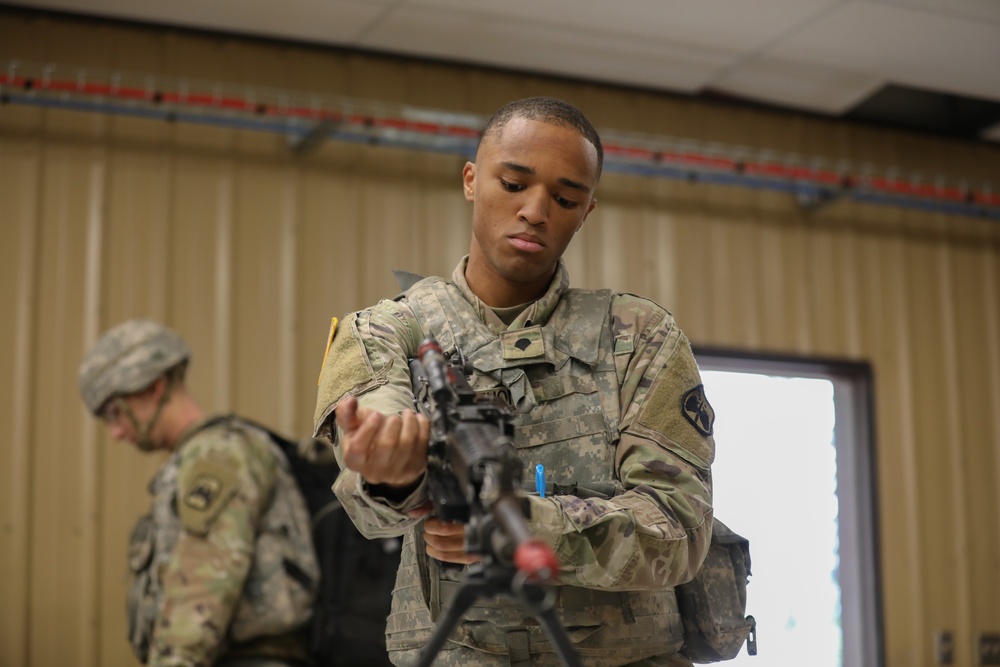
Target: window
[[793, 473]]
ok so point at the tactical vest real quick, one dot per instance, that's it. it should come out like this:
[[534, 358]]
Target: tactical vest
[[280, 586], [566, 393]]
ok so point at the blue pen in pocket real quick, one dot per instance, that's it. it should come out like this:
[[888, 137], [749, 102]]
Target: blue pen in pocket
[[540, 480]]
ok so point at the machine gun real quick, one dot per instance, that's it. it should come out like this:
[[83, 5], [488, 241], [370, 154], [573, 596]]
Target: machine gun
[[473, 477]]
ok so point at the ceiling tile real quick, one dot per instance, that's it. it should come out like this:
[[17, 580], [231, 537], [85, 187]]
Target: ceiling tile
[[735, 27], [549, 49], [985, 10], [902, 45], [815, 88]]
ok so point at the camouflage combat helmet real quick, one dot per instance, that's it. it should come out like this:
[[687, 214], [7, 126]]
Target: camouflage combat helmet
[[128, 359]]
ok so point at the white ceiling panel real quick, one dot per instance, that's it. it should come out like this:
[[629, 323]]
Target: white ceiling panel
[[815, 88], [904, 46], [724, 25], [546, 48], [983, 10]]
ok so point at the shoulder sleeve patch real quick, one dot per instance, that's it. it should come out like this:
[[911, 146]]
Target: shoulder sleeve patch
[[345, 367], [677, 413], [698, 410], [210, 488]]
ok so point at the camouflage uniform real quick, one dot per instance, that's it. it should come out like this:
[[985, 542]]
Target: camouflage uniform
[[223, 565], [608, 397], [213, 567]]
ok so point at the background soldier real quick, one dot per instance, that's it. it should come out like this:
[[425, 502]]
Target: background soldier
[[223, 566]]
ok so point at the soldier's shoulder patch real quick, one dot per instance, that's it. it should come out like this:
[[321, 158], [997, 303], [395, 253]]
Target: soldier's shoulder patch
[[346, 366], [698, 411], [207, 489]]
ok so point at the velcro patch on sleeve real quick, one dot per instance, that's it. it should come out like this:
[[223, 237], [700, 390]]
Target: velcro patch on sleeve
[[202, 498], [344, 368], [676, 407]]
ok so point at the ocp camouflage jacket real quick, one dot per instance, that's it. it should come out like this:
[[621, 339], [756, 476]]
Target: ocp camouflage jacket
[[213, 562], [608, 396]]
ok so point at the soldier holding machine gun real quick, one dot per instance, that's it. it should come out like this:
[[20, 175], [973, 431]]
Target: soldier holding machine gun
[[602, 390]]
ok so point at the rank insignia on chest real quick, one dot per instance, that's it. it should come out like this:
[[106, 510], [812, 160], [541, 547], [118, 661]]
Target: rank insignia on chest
[[523, 343]]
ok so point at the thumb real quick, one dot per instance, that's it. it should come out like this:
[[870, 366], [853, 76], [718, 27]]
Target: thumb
[[347, 414]]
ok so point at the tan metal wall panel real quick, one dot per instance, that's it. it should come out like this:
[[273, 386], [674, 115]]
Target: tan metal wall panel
[[63, 480], [249, 250], [19, 189], [905, 598], [976, 421]]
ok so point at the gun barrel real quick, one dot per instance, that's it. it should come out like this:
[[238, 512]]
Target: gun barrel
[[509, 515]]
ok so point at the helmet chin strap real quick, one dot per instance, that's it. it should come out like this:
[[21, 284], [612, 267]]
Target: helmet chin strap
[[144, 432]]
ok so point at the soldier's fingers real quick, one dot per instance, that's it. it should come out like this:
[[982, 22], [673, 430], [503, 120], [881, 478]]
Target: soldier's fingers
[[412, 433], [438, 528], [422, 510], [381, 466], [424, 429], [459, 557], [412, 455], [347, 414], [358, 443], [447, 547]]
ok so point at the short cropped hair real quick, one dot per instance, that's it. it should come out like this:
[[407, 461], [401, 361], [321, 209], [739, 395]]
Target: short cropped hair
[[546, 110]]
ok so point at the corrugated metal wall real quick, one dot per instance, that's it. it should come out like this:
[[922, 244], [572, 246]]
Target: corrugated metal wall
[[249, 251]]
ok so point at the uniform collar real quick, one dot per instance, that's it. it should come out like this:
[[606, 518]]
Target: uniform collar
[[197, 426], [537, 313]]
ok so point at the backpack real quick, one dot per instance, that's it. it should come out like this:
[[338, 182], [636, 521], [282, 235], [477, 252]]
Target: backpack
[[713, 604], [357, 575]]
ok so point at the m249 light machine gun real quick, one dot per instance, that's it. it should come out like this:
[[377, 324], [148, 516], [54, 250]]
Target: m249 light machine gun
[[473, 478]]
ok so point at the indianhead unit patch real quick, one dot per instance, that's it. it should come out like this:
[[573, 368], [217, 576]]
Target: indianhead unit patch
[[698, 411], [206, 495], [203, 492]]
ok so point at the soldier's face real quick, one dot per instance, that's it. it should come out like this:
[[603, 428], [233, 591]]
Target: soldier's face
[[532, 187], [124, 415], [113, 416]]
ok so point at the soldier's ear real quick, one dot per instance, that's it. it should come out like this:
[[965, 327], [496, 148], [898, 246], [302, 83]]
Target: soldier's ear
[[156, 389], [469, 181]]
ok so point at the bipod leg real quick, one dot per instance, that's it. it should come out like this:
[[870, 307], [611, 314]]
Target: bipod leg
[[539, 603], [466, 595]]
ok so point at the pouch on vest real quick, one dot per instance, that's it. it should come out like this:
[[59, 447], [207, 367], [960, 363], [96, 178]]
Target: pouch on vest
[[713, 604], [141, 606]]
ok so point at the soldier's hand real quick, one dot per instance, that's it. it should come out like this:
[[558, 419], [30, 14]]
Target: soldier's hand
[[384, 449], [446, 542]]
